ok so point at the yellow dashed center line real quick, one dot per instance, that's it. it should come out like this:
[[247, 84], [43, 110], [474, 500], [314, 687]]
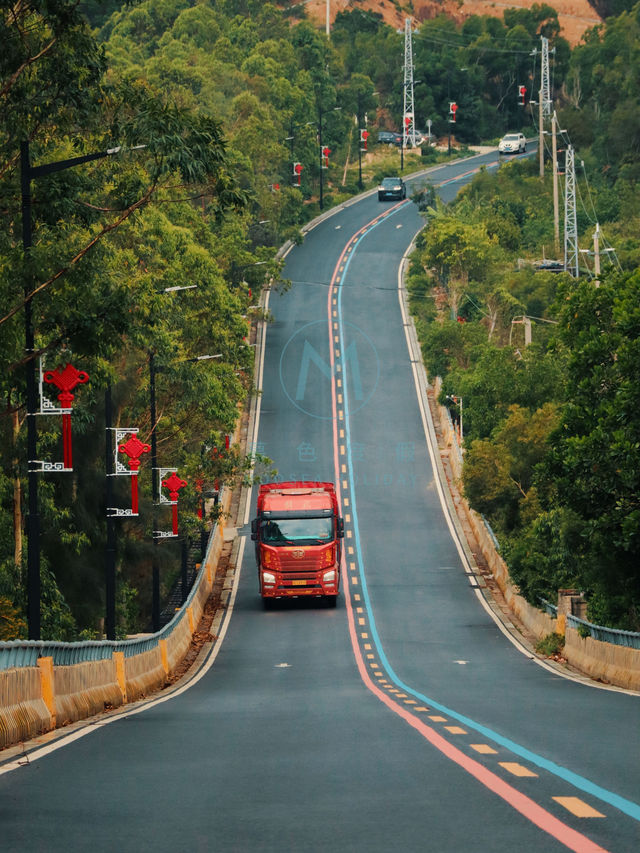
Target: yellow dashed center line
[[362, 621], [438, 719], [455, 730], [577, 807], [364, 636], [354, 581], [484, 748], [516, 769]]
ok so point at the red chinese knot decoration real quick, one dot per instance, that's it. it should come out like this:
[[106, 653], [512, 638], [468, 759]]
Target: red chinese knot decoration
[[65, 380], [134, 448], [174, 484]]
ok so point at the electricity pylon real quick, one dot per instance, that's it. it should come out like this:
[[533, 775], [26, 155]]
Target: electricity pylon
[[408, 115], [571, 249]]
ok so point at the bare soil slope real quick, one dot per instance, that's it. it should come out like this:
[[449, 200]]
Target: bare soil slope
[[575, 16]]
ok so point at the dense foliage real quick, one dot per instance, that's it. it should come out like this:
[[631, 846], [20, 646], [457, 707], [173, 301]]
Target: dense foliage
[[552, 429], [225, 96]]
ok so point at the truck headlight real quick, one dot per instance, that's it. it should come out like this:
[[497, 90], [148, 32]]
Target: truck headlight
[[268, 577], [329, 577]]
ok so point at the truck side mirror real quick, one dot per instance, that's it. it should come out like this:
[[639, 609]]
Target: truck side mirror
[[254, 530], [340, 528]]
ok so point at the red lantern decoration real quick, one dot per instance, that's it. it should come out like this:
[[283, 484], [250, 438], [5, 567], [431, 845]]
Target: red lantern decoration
[[134, 448], [174, 484], [65, 379]]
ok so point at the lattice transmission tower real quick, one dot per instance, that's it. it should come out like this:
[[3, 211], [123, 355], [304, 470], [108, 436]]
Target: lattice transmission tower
[[571, 248], [408, 114]]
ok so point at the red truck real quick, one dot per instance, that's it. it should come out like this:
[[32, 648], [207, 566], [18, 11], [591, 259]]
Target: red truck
[[298, 534]]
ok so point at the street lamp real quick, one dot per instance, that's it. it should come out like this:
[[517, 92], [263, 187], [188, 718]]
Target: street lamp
[[320, 146], [155, 479], [29, 173]]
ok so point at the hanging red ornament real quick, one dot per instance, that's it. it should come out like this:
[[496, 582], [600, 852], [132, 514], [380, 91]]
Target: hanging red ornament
[[134, 448], [174, 484], [65, 379]]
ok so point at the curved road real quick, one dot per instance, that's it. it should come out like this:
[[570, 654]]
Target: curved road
[[404, 719]]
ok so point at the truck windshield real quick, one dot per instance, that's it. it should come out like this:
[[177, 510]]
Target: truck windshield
[[289, 531]]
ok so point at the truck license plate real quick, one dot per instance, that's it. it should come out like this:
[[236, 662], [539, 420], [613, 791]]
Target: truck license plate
[[299, 583]]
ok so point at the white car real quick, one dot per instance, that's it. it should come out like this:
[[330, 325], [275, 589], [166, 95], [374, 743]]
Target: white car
[[512, 143]]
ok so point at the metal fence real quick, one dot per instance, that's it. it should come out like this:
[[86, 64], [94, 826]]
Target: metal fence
[[631, 639], [22, 653]]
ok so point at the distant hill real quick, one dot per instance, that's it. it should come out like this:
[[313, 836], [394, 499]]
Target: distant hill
[[575, 16]]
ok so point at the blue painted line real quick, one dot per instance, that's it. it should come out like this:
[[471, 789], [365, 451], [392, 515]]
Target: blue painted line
[[626, 806]]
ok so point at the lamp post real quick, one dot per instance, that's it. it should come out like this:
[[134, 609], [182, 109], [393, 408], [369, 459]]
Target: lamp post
[[320, 146], [29, 173], [155, 568]]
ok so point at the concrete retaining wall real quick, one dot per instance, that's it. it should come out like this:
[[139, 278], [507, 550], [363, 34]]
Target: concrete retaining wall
[[85, 689], [143, 674], [23, 712]]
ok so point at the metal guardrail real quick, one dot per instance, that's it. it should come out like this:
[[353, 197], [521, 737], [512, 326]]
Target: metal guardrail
[[24, 653], [615, 636], [631, 639]]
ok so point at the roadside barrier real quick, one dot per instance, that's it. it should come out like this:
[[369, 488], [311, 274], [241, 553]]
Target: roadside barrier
[[608, 655], [46, 685]]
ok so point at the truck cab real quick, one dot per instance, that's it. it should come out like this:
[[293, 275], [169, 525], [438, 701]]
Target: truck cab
[[298, 535]]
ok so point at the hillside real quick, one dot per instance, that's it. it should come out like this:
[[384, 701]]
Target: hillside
[[575, 16]]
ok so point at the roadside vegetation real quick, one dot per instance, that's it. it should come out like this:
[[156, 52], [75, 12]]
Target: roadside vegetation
[[226, 95], [552, 429]]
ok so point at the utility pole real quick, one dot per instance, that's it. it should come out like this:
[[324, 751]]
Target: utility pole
[[571, 250], [408, 114], [328, 21], [556, 211], [596, 253]]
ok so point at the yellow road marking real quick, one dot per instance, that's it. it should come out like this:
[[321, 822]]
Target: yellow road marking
[[410, 702], [356, 597], [352, 565], [344, 484], [345, 501], [339, 382], [341, 431], [370, 657], [340, 398], [347, 518], [577, 807], [438, 719], [343, 469], [516, 769], [455, 730], [364, 636], [421, 708], [359, 610], [484, 748], [374, 665], [342, 450], [354, 580], [402, 695], [367, 646], [362, 621], [349, 534]]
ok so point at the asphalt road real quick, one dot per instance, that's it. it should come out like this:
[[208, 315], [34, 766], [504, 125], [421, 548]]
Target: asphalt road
[[404, 718]]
